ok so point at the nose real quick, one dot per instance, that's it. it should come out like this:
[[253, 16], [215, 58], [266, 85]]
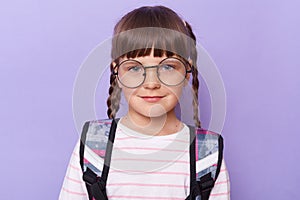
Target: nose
[[151, 79]]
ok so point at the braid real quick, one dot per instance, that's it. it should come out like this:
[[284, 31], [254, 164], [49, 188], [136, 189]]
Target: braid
[[113, 101], [195, 81]]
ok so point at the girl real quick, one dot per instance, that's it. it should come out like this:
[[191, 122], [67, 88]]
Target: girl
[[153, 56]]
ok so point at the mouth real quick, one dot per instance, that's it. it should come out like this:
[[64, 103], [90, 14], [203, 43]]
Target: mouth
[[152, 99]]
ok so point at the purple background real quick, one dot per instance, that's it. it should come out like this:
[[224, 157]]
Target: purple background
[[255, 45]]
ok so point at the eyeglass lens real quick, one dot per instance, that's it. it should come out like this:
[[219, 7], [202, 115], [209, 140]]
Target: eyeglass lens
[[170, 71]]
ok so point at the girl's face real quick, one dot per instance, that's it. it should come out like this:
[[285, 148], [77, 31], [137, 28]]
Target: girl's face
[[152, 98]]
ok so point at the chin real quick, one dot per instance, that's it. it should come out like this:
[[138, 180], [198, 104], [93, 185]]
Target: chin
[[155, 115], [154, 111]]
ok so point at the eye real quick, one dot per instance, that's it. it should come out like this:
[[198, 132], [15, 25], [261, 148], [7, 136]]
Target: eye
[[167, 67], [131, 66], [135, 69]]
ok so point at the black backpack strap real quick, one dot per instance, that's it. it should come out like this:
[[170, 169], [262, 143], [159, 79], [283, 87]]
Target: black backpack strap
[[193, 181], [108, 152], [192, 160], [96, 186], [206, 184], [81, 153], [220, 156]]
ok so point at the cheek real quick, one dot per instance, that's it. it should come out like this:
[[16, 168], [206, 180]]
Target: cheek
[[129, 93], [176, 93]]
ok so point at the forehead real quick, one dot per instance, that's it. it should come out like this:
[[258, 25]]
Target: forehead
[[147, 60]]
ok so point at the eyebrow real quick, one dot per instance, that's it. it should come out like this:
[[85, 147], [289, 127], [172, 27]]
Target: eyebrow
[[134, 59]]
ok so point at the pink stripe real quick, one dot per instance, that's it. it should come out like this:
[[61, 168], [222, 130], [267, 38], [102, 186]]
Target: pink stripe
[[101, 153], [222, 182], [72, 179], [123, 138], [220, 194], [72, 192], [172, 140], [152, 160], [74, 167], [148, 148], [132, 171], [75, 154], [223, 171], [203, 131], [177, 140], [147, 185], [143, 197]]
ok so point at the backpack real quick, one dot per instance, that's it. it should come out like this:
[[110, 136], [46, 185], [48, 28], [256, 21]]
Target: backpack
[[206, 154]]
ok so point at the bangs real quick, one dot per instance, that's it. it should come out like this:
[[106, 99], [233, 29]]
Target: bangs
[[141, 41], [147, 52]]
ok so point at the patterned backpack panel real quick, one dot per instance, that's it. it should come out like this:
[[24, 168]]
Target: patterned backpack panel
[[95, 144], [207, 150]]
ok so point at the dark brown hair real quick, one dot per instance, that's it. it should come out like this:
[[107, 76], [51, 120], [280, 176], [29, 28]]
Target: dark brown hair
[[143, 29]]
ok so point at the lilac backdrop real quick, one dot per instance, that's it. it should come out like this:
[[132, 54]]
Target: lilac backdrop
[[255, 44]]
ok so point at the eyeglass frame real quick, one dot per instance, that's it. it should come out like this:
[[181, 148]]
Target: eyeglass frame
[[184, 62]]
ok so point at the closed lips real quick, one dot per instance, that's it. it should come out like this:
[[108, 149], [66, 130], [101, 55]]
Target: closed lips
[[152, 98]]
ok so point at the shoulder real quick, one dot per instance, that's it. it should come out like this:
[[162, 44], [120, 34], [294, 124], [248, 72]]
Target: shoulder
[[204, 136], [98, 122], [95, 133], [207, 142], [96, 127], [208, 137]]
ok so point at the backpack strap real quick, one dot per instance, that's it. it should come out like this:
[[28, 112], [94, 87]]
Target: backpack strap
[[81, 153], [206, 164], [193, 180], [94, 178]]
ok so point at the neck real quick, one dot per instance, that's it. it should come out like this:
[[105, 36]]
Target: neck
[[160, 125]]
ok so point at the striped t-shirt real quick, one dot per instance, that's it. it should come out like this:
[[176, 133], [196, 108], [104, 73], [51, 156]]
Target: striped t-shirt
[[144, 167]]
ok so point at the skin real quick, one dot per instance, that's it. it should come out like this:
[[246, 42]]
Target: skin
[[151, 106]]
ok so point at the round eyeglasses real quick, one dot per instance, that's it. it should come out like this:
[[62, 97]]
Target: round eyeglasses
[[170, 71]]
